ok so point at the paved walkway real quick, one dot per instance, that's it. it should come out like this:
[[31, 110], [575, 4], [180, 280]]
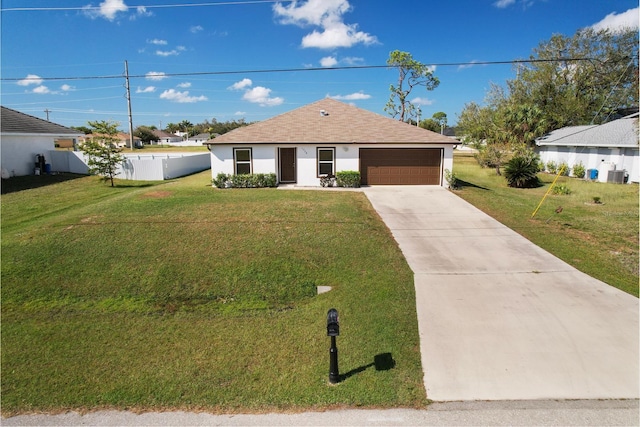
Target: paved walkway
[[500, 318]]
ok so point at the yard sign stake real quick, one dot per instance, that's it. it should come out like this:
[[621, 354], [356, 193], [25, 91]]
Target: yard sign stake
[[548, 191]]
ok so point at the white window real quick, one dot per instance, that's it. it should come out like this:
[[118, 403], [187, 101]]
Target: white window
[[326, 161], [242, 160]]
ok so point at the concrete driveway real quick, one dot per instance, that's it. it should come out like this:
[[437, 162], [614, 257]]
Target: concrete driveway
[[500, 318]]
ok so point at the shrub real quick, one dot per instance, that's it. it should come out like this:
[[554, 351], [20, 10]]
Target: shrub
[[579, 170], [221, 180], [348, 179], [452, 179], [522, 172], [564, 169], [552, 167], [561, 189], [259, 180]]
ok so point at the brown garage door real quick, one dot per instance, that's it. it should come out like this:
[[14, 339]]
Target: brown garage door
[[400, 166]]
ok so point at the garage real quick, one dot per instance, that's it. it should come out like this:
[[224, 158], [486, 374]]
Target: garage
[[400, 166]]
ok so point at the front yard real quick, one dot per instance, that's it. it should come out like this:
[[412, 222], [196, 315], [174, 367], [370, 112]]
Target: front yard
[[176, 295]]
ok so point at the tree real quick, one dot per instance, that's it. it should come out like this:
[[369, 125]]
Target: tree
[[145, 134], [430, 124], [441, 119], [411, 73], [104, 155], [583, 79], [82, 129]]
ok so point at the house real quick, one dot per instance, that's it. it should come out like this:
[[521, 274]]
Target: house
[[611, 149], [165, 138], [198, 139], [329, 136], [26, 137], [122, 140]]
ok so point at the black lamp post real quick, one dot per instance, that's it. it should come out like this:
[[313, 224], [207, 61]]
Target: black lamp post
[[333, 330]]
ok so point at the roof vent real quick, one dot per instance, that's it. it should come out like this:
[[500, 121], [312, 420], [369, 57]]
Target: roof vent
[[323, 113]]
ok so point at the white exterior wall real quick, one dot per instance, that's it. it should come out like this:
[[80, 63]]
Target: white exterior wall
[[18, 152], [265, 159], [595, 158]]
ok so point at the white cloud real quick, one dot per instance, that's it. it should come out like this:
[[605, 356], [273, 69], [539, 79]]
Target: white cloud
[[239, 113], [41, 90], [422, 101], [196, 29], [140, 11], [337, 35], [147, 89], [242, 84], [328, 61], [167, 52], [157, 42], [109, 9], [184, 85], [352, 60], [256, 95], [468, 65], [326, 14], [504, 3], [31, 79], [155, 75], [351, 97], [66, 88], [181, 97], [260, 95], [618, 22]]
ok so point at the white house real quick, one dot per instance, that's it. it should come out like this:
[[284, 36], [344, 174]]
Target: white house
[[198, 139], [24, 137], [610, 147], [329, 136], [166, 138]]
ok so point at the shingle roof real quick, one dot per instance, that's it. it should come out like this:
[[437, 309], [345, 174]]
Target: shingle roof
[[618, 133], [340, 123], [12, 121]]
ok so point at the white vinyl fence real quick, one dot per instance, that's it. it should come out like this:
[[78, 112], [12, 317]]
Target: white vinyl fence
[[139, 167]]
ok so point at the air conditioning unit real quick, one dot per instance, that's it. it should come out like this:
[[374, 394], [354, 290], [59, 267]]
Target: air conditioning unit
[[616, 176]]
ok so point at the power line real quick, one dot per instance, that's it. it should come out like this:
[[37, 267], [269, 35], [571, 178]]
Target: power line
[[305, 69], [155, 6]]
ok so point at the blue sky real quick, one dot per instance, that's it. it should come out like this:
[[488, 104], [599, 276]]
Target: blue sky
[[68, 56]]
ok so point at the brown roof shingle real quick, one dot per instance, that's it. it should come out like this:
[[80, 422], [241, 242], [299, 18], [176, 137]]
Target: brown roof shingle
[[340, 123]]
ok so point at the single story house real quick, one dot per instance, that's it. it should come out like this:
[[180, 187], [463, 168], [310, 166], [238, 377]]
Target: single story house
[[122, 140], [164, 137], [26, 137], [198, 139], [608, 147], [329, 136]]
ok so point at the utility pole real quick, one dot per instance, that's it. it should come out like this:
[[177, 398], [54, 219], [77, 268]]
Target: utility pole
[[126, 73], [47, 111]]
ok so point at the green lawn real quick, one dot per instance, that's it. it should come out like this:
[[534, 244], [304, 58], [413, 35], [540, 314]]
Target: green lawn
[[176, 295], [598, 239]]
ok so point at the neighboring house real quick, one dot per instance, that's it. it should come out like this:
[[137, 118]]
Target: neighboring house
[[165, 138], [122, 140], [199, 139], [609, 147], [24, 137], [329, 136]]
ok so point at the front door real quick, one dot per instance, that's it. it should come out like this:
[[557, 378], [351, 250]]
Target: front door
[[287, 160]]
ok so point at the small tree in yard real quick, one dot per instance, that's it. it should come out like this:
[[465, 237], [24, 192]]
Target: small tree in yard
[[522, 170], [104, 155]]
